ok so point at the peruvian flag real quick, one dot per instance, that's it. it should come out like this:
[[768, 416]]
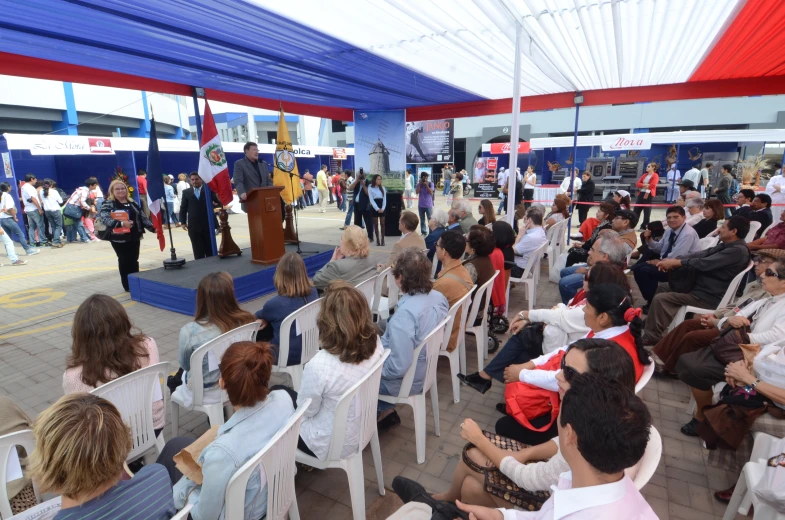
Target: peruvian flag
[[213, 168], [156, 198]]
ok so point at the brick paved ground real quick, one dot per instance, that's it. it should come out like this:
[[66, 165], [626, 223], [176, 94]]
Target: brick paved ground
[[38, 301]]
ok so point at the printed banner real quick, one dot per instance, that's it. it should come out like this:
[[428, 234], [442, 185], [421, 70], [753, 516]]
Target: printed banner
[[493, 162], [626, 142], [9, 172], [379, 145], [504, 148], [430, 141], [486, 190], [339, 154], [70, 145]]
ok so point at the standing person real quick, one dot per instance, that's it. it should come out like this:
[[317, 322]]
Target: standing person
[[170, 200], [10, 251], [125, 224], [447, 173], [348, 198], [82, 200], [249, 172], [776, 190], [51, 202], [693, 175], [323, 188], [308, 187], [425, 190], [9, 220], [33, 210], [182, 184], [141, 181], [585, 194], [330, 185], [362, 204], [408, 187], [647, 190], [501, 182], [722, 189], [705, 173], [377, 196], [672, 177], [193, 212], [339, 181], [529, 183]]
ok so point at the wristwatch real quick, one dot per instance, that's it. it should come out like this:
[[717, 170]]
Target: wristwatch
[[751, 387]]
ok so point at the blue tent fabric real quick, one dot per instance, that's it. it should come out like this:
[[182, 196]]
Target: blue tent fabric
[[231, 46]]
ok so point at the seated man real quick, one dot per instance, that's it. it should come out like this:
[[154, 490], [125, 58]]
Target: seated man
[[624, 222], [419, 311], [679, 240], [531, 238], [407, 225], [453, 281], [774, 239], [437, 226], [464, 209], [744, 199], [761, 212], [714, 269], [453, 219], [608, 247]]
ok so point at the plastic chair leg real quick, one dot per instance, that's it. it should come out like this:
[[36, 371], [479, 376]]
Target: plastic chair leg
[[294, 511], [456, 384], [736, 498], [377, 460], [461, 349], [435, 404], [691, 407], [419, 426], [175, 419], [159, 442], [481, 339], [215, 413], [297, 377], [354, 472]]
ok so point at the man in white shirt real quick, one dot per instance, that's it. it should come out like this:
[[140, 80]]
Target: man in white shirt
[[672, 177], [501, 182], [34, 211], [8, 219], [776, 190], [705, 176], [565, 184], [531, 238], [693, 175]]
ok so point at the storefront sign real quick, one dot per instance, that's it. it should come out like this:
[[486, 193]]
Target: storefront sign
[[504, 148], [100, 145], [493, 162], [612, 143], [70, 145], [430, 141], [339, 154]]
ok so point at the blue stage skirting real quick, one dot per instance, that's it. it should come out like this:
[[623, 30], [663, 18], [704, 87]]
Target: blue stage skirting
[[175, 289]]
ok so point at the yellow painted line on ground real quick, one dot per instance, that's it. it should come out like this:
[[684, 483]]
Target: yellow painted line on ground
[[48, 327], [23, 274], [53, 313]]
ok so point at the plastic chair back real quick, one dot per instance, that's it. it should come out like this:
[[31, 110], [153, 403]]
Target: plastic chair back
[[9, 442], [277, 458], [217, 346], [477, 300], [648, 371], [305, 318], [534, 261], [363, 397], [367, 288], [460, 307], [645, 468], [434, 265], [133, 396], [733, 287], [432, 343], [754, 227]]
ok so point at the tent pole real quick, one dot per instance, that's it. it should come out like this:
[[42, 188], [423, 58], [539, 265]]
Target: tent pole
[[205, 188], [514, 130], [574, 161]]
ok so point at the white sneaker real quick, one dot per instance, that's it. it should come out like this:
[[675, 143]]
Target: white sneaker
[[32, 252]]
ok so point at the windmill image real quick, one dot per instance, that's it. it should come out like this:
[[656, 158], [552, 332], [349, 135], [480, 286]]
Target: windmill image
[[379, 139], [380, 159]]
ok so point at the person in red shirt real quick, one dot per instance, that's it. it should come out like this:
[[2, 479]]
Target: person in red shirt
[[647, 190], [141, 181]]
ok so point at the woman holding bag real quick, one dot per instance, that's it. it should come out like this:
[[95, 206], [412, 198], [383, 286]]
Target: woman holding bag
[[647, 190]]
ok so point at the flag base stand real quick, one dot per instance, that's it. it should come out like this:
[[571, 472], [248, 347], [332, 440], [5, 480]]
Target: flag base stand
[[228, 247], [174, 262]]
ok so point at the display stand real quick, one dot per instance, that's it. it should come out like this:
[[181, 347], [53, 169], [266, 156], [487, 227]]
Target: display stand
[[263, 206], [228, 246]]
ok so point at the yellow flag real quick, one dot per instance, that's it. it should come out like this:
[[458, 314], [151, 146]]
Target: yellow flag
[[285, 173]]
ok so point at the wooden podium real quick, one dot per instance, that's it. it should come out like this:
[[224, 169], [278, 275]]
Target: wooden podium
[[263, 206]]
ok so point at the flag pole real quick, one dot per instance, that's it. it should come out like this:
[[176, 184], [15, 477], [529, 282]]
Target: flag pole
[[173, 262], [197, 93]]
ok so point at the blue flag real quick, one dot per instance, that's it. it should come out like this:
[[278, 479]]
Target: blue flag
[[155, 186]]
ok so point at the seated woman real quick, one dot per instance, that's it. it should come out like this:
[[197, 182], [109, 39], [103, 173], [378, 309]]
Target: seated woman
[[701, 369], [622, 198], [610, 315], [479, 247], [597, 356], [559, 211], [295, 290], [350, 261], [580, 252], [350, 346], [488, 214], [258, 415], [504, 236], [697, 333], [217, 312], [106, 346], [81, 444], [562, 325], [712, 212]]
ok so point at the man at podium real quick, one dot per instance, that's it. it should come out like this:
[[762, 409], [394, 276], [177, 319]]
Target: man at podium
[[249, 173]]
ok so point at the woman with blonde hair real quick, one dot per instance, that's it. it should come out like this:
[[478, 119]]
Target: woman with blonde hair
[[106, 346], [81, 444], [295, 290], [350, 260], [125, 223], [217, 312]]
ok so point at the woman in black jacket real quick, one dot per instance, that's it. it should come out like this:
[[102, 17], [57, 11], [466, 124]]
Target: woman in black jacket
[[125, 224], [585, 194]]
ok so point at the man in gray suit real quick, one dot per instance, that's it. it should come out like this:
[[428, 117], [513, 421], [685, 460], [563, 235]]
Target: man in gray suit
[[250, 172]]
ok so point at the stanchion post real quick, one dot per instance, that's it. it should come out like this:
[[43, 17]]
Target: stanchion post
[[578, 100], [197, 93], [514, 130]]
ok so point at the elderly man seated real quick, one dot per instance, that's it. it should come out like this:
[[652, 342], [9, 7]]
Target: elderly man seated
[[608, 247], [437, 225], [407, 225], [464, 209]]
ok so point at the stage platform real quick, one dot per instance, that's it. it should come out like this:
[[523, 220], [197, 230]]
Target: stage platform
[[175, 289]]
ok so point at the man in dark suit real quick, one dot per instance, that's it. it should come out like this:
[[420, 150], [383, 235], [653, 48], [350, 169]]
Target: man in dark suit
[[744, 200], [249, 172], [761, 212], [193, 216]]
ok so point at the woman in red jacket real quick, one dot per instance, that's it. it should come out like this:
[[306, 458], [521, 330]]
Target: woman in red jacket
[[647, 190]]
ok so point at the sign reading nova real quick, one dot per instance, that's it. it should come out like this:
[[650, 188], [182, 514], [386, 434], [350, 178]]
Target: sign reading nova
[[612, 143]]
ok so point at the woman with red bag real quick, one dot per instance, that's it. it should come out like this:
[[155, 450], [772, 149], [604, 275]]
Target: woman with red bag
[[531, 396]]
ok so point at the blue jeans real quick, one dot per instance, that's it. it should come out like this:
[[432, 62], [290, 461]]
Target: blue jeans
[[70, 233], [423, 220], [570, 282], [170, 210], [349, 214], [9, 247], [56, 221], [78, 228], [36, 221], [10, 226], [446, 188], [514, 352]]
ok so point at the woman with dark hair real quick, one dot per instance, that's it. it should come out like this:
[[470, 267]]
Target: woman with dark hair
[[259, 414], [504, 236], [579, 253], [559, 211], [622, 198], [217, 312], [596, 356], [585, 194], [647, 190], [377, 196], [487, 212], [712, 213], [106, 346], [479, 246]]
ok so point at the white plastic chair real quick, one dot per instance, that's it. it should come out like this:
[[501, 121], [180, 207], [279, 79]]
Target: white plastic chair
[[383, 304], [133, 396], [648, 371], [754, 227], [217, 346], [432, 344], [751, 474], [367, 288], [556, 241], [645, 468], [276, 461], [480, 332], [457, 357], [727, 299], [303, 318], [9, 442], [434, 265], [42, 510], [530, 277], [363, 397]]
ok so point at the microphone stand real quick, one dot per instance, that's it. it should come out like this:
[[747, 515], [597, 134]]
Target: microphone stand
[[296, 223]]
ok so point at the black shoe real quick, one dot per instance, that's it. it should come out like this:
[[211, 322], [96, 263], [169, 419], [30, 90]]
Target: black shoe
[[645, 308], [388, 422], [502, 408], [476, 381], [691, 428], [408, 489]]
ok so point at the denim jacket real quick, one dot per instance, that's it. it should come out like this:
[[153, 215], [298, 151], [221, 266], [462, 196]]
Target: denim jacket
[[243, 435]]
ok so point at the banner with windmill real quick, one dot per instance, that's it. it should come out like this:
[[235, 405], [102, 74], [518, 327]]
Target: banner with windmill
[[379, 143]]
